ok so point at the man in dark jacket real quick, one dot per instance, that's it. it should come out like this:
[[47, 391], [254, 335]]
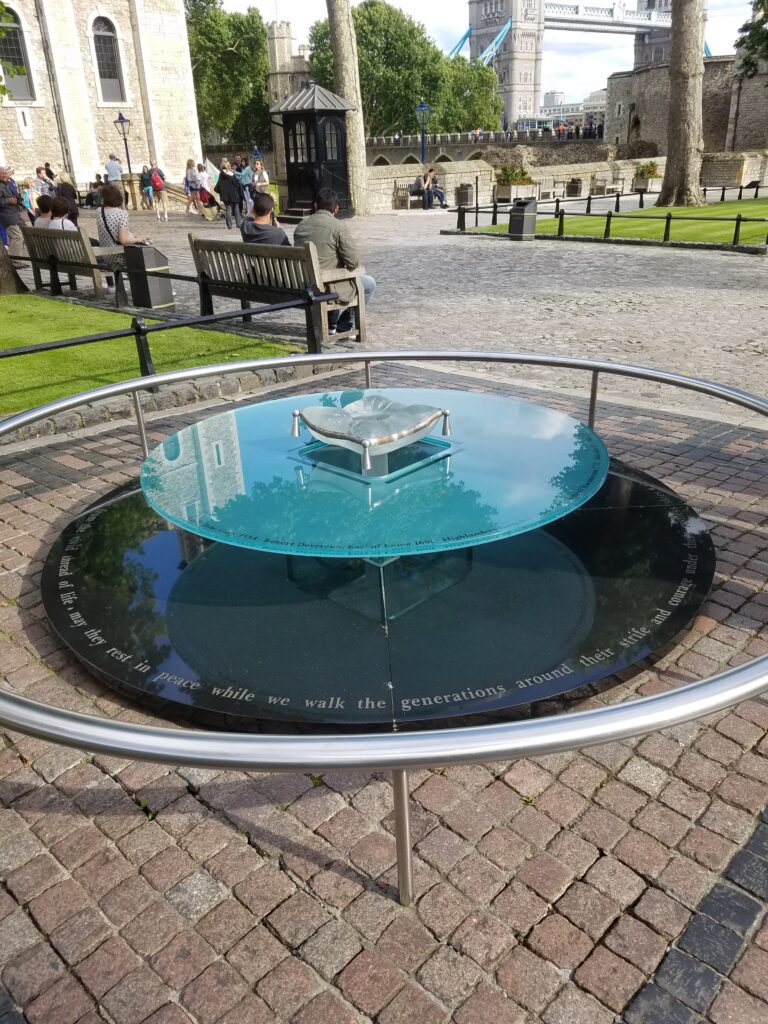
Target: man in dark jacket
[[335, 249], [230, 193], [260, 225], [10, 214]]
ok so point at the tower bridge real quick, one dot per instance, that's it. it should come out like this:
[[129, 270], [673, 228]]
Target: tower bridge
[[510, 35]]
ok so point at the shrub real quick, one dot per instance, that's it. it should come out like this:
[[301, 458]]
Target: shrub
[[648, 170], [513, 174]]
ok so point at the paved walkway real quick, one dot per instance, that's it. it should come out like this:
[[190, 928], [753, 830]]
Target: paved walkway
[[623, 883]]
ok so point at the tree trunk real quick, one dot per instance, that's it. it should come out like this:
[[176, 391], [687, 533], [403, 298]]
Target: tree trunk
[[10, 282], [344, 45], [685, 143]]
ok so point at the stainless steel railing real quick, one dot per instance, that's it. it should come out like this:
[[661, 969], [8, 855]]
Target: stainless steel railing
[[503, 741]]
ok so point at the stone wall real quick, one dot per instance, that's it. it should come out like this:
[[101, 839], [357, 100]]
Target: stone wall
[[749, 113], [382, 181], [456, 146], [734, 169], [69, 122], [638, 103]]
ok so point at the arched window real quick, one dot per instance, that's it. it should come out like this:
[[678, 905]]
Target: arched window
[[14, 60], [108, 61]]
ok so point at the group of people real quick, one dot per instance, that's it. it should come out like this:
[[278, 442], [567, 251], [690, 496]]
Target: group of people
[[240, 181], [47, 200], [428, 187]]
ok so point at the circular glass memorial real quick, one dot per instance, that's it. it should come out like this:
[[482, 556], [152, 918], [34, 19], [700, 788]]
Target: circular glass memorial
[[459, 554]]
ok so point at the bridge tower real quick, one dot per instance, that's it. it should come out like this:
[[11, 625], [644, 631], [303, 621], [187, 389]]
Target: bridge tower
[[653, 47], [518, 62]]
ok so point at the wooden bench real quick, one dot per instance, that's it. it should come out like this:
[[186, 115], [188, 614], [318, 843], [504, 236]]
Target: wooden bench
[[404, 199], [49, 248], [274, 273]]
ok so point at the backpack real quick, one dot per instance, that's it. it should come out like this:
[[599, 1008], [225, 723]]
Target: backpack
[[157, 182]]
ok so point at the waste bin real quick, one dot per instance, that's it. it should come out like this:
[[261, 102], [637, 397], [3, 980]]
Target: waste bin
[[465, 194], [147, 269], [573, 188], [522, 220]]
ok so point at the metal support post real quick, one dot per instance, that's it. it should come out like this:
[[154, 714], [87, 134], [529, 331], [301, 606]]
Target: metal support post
[[592, 400], [403, 836], [617, 207], [367, 373], [477, 199], [495, 215], [722, 195], [589, 204], [206, 299], [741, 192], [757, 191], [642, 201], [737, 230], [557, 206], [140, 422], [608, 218], [142, 347], [667, 227], [561, 224], [461, 223]]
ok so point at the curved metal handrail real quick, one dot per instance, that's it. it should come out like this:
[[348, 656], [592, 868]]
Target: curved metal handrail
[[503, 741]]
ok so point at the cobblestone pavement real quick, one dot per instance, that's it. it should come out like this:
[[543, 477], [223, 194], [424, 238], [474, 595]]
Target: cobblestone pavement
[[701, 314], [622, 883]]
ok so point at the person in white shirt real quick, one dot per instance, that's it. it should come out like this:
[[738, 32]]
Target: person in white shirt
[[260, 177], [114, 169], [59, 217]]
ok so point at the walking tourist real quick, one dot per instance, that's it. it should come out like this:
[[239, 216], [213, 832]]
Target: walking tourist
[[260, 177], [145, 184], [28, 196], [245, 178], [10, 214], [335, 249], [158, 191], [114, 170], [261, 226], [192, 188], [230, 192], [112, 222]]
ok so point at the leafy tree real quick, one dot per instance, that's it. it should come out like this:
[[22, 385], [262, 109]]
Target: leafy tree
[[229, 67], [753, 40], [399, 66]]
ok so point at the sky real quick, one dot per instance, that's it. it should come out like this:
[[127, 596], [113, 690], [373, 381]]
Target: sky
[[574, 63]]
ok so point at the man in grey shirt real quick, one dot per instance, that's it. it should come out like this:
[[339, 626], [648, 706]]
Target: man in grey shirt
[[335, 249], [113, 168], [260, 225]]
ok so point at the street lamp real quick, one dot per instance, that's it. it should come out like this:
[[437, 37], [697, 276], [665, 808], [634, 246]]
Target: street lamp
[[123, 124], [422, 113]]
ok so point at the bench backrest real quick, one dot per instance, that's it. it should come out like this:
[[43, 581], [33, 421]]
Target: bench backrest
[[66, 246], [274, 269]]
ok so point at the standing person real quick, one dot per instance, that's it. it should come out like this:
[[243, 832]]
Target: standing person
[[28, 196], [261, 227], [228, 188], [114, 170], [147, 192], [260, 177], [158, 190], [49, 171], [66, 189], [10, 215], [335, 249], [245, 178], [192, 188], [43, 184]]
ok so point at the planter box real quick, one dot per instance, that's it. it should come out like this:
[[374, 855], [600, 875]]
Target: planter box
[[506, 193]]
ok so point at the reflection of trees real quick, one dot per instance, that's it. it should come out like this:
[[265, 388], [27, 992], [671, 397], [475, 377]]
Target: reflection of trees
[[109, 556], [572, 478], [427, 508]]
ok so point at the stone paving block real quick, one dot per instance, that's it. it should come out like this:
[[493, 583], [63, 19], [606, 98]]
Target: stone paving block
[[443, 909], [662, 823], [17, 933], [731, 907], [620, 799], [750, 872], [80, 935], [443, 849], [449, 976], [413, 1006], [502, 846], [663, 913], [573, 851], [612, 980], [108, 965], [374, 853], [561, 804], [58, 903], [601, 828], [339, 884], [144, 843], [642, 853], [65, 1002], [546, 875], [733, 1006], [167, 868], [234, 863], [437, 794], [326, 1008], [688, 979], [370, 913], [583, 775], [614, 880], [727, 821], [263, 890], [558, 940], [711, 943], [484, 938], [686, 880], [297, 918], [171, 1013], [469, 820], [32, 972], [345, 828], [519, 908], [648, 778], [331, 948], [406, 943], [289, 986], [185, 957], [256, 954], [196, 895], [588, 909], [136, 996], [370, 982], [103, 872], [79, 846], [751, 972], [488, 1004], [126, 900], [653, 1005], [34, 877], [636, 943], [153, 928], [215, 991], [572, 1006], [478, 878], [500, 800], [225, 925]]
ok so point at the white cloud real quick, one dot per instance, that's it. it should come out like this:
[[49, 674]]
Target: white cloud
[[575, 63]]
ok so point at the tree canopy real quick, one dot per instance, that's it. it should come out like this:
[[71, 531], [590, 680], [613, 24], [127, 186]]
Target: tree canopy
[[400, 66], [753, 39], [229, 67]]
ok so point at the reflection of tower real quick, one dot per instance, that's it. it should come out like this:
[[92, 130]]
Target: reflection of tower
[[518, 62], [203, 470]]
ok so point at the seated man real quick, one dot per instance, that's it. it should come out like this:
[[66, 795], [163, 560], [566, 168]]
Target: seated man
[[260, 225], [423, 187], [335, 249], [437, 192]]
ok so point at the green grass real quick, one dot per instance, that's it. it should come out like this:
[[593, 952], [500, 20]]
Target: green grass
[[639, 225], [34, 379]]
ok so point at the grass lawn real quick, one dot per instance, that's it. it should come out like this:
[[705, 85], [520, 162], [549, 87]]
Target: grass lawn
[[34, 379], [639, 225]]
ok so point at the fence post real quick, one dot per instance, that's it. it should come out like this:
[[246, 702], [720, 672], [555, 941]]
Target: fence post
[[667, 227], [461, 223], [589, 203], [617, 207], [557, 206], [495, 215], [641, 204], [737, 230], [561, 224], [757, 191], [704, 191], [741, 191], [722, 195], [608, 219], [206, 299], [142, 347], [55, 282], [477, 199]]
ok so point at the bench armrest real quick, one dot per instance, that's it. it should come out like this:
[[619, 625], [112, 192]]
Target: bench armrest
[[341, 274]]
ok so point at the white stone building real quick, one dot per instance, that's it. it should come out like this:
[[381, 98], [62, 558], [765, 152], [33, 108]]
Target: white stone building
[[79, 64]]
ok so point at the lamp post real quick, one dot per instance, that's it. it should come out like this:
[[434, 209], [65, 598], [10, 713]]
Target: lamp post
[[422, 113], [123, 124]]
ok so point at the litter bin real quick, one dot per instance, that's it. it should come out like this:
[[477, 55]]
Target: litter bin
[[465, 194], [147, 269], [522, 220], [573, 188]]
